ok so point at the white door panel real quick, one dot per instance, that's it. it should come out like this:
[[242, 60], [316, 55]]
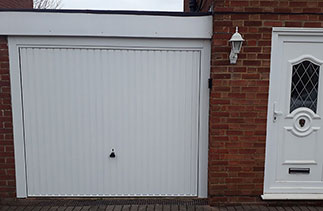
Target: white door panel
[[82, 103], [294, 157]]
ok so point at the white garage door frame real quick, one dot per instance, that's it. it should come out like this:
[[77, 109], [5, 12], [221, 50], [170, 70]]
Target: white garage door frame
[[192, 37]]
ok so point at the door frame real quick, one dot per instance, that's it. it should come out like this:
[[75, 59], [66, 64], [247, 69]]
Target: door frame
[[280, 35], [15, 42]]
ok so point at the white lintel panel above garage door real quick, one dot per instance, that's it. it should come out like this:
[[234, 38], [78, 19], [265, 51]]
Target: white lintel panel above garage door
[[77, 100], [106, 24]]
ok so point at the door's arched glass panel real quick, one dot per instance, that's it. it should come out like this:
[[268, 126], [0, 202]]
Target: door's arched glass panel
[[305, 81]]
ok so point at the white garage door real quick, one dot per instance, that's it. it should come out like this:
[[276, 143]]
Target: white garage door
[[81, 105]]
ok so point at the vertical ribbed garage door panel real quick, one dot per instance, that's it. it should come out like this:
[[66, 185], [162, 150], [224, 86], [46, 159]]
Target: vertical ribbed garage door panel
[[80, 103]]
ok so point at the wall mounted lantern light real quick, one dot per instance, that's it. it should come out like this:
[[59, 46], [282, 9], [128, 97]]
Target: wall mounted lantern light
[[236, 43]]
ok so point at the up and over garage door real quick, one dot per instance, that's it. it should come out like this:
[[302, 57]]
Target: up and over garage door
[[109, 116]]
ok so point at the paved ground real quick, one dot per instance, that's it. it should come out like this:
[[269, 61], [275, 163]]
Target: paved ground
[[159, 208], [141, 205]]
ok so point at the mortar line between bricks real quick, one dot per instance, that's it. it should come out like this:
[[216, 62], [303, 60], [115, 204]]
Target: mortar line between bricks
[[263, 13]]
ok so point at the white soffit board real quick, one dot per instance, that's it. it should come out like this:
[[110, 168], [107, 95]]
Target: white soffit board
[[104, 25], [286, 31], [303, 30]]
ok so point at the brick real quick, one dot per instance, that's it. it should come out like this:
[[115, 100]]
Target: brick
[[273, 23], [312, 24], [239, 3], [252, 49], [297, 4], [222, 76], [311, 10], [252, 23], [16, 4]]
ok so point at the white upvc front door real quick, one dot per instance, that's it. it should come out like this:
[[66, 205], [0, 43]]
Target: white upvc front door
[[294, 148]]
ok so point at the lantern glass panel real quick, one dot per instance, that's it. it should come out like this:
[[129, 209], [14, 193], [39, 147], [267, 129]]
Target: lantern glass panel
[[236, 46]]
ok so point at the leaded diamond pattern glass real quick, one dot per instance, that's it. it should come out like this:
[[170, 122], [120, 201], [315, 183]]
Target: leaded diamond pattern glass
[[305, 81]]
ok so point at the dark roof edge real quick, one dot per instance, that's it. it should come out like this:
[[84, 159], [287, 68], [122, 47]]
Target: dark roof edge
[[117, 12]]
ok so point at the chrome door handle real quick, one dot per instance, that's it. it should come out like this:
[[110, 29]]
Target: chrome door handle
[[276, 113]]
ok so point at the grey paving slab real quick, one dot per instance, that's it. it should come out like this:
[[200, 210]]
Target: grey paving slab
[[199, 208], [151, 207], [134, 207], [295, 208], [61, 208], [159, 207], [101, 208], [109, 208], [45, 208], [238, 208], [126, 208], [20, 208], [209, 208], [190, 208], [85, 208], [69, 208], [254, 208], [118, 208], [36, 208], [78, 208], [142, 208], [166, 207], [263, 208], [230, 208], [312, 208], [247, 207], [174, 207], [181, 208], [28, 208], [94, 208], [11, 208], [303, 208], [272, 208], [4, 208], [280, 208]]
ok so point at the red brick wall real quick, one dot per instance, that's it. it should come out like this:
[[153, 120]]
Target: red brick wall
[[16, 4], [238, 101], [7, 167]]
